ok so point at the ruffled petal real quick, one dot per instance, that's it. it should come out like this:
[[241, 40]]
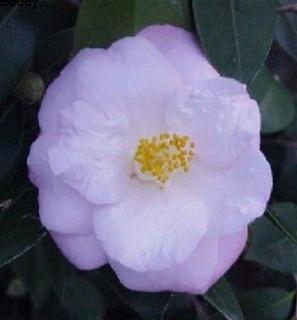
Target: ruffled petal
[[192, 275], [85, 252], [92, 154], [219, 116], [210, 260], [61, 208], [59, 95], [132, 76], [234, 195], [182, 50], [151, 229], [230, 247]]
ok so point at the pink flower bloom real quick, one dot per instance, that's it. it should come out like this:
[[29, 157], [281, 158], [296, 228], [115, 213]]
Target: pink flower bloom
[[149, 160]]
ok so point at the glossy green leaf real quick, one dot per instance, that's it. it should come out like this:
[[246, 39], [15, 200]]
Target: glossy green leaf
[[267, 304], [20, 230], [16, 50], [286, 29], [80, 298], [221, 297], [236, 34], [150, 306], [276, 104], [32, 268], [50, 17], [269, 245], [282, 225], [291, 131], [53, 48], [101, 22], [43, 269], [282, 156], [11, 135]]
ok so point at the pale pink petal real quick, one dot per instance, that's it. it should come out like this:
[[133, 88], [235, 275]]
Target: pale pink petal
[[61, 208], [230, 247], [135, 78], [60, 94], [209, 261], [222, 125], [234, 195], [132, 76], [92, 153], [192, 275], [182, 50], [151, 229], [84, 251]]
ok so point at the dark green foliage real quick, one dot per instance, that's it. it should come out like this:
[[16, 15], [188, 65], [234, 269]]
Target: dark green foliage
[[236, 35]]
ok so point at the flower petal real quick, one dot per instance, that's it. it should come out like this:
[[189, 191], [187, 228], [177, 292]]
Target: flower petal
[[85, 252], [182, 50], [230, 247], [91, 153], [192, 275], [132, 76], [234, 195], [60, 94], [135, 78], [219, 116], [209, 261], [61, 208], [151, 229]]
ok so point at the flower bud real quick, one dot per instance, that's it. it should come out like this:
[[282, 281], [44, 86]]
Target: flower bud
[[30, 90]]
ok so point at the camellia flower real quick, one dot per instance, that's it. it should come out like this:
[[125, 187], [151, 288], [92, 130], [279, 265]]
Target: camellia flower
[[149, 160]]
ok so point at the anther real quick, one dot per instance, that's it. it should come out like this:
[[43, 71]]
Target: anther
[[161, 155]]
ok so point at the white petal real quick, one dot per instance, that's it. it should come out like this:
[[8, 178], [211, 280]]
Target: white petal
[[92, 154], [85, 252], [192, 275], [210, 260], [182, 50], [151, 229], [219, 116], [230, 246], [132, 76], [61, 208], [234, 195]]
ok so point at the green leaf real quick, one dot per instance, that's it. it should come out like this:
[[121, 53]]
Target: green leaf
[[269, 245], [51, 16], [11, 136], [236, 34], [276, 104], [283, 226], [291, 131], [150, 306], [101, 22], [20, 230], [80, 298], [282, 156], [55, 47], [32, 268], [42, 269], [267, 304], [221, 297], [17, 45], [286, 30]]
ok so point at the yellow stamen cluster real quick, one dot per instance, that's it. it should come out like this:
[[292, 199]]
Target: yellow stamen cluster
[[161, 155]]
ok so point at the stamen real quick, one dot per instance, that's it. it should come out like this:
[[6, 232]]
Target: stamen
[[161, 155]]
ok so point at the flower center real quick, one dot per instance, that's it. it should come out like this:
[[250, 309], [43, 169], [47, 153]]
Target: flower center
[[158, 157]]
